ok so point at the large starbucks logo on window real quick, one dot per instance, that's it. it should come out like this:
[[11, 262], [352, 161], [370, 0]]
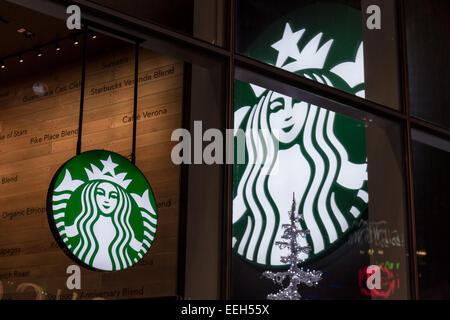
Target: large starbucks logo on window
[[321, 155], [102, 211]]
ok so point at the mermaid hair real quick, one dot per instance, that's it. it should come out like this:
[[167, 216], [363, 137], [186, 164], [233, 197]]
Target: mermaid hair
[[322, 216], [85, 221]]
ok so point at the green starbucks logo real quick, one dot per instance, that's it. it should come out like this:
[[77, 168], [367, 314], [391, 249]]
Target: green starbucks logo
[[321, 155], [102, 211]]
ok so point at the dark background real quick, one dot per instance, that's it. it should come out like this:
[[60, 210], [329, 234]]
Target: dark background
[[428, 45], [432, 210], [174, 14], [253, 16]]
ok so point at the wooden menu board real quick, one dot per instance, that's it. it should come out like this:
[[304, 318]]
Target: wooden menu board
[[38, 134]]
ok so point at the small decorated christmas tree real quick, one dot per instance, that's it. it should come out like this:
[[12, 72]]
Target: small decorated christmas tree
[[295, 274]]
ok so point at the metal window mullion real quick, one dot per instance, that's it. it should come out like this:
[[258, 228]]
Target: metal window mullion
[[414, 279], [315, 88], [228, 168]]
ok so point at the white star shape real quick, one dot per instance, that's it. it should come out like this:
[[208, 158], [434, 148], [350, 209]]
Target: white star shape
[[108, 166], [287, 45]]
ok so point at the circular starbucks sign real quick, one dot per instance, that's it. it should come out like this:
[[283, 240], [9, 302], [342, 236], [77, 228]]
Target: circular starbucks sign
[[311, 152], [102, 211]]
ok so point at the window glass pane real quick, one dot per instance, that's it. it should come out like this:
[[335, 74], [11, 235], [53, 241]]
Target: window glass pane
[[203, 19], [39, 116], [431, 174], [108, 124], [332, 164], [336, 43], [160, 106], [428, 51], [39, 108], [109, 92]]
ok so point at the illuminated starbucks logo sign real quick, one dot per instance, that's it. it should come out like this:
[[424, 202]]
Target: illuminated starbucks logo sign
[[102, 211], [321, 155]]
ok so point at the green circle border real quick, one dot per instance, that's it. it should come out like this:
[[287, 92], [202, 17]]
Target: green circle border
[[52, 224]]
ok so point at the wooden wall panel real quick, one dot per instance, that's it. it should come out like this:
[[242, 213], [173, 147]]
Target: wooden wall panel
[[38, 134]]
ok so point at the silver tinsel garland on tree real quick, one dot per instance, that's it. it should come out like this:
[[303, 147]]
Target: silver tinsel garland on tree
[[295, 274]]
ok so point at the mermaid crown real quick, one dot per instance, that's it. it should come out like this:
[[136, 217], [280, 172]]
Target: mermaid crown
[[108, 173], [313, 56]]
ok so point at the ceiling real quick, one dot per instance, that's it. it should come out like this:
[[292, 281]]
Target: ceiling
[[45, 28], [174, 14]]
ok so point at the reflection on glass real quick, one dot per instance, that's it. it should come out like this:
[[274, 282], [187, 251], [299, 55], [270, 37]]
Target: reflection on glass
[[39, 132], [323, 41], [39, 108], [313, 42], [431, 175], [322, 158]]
